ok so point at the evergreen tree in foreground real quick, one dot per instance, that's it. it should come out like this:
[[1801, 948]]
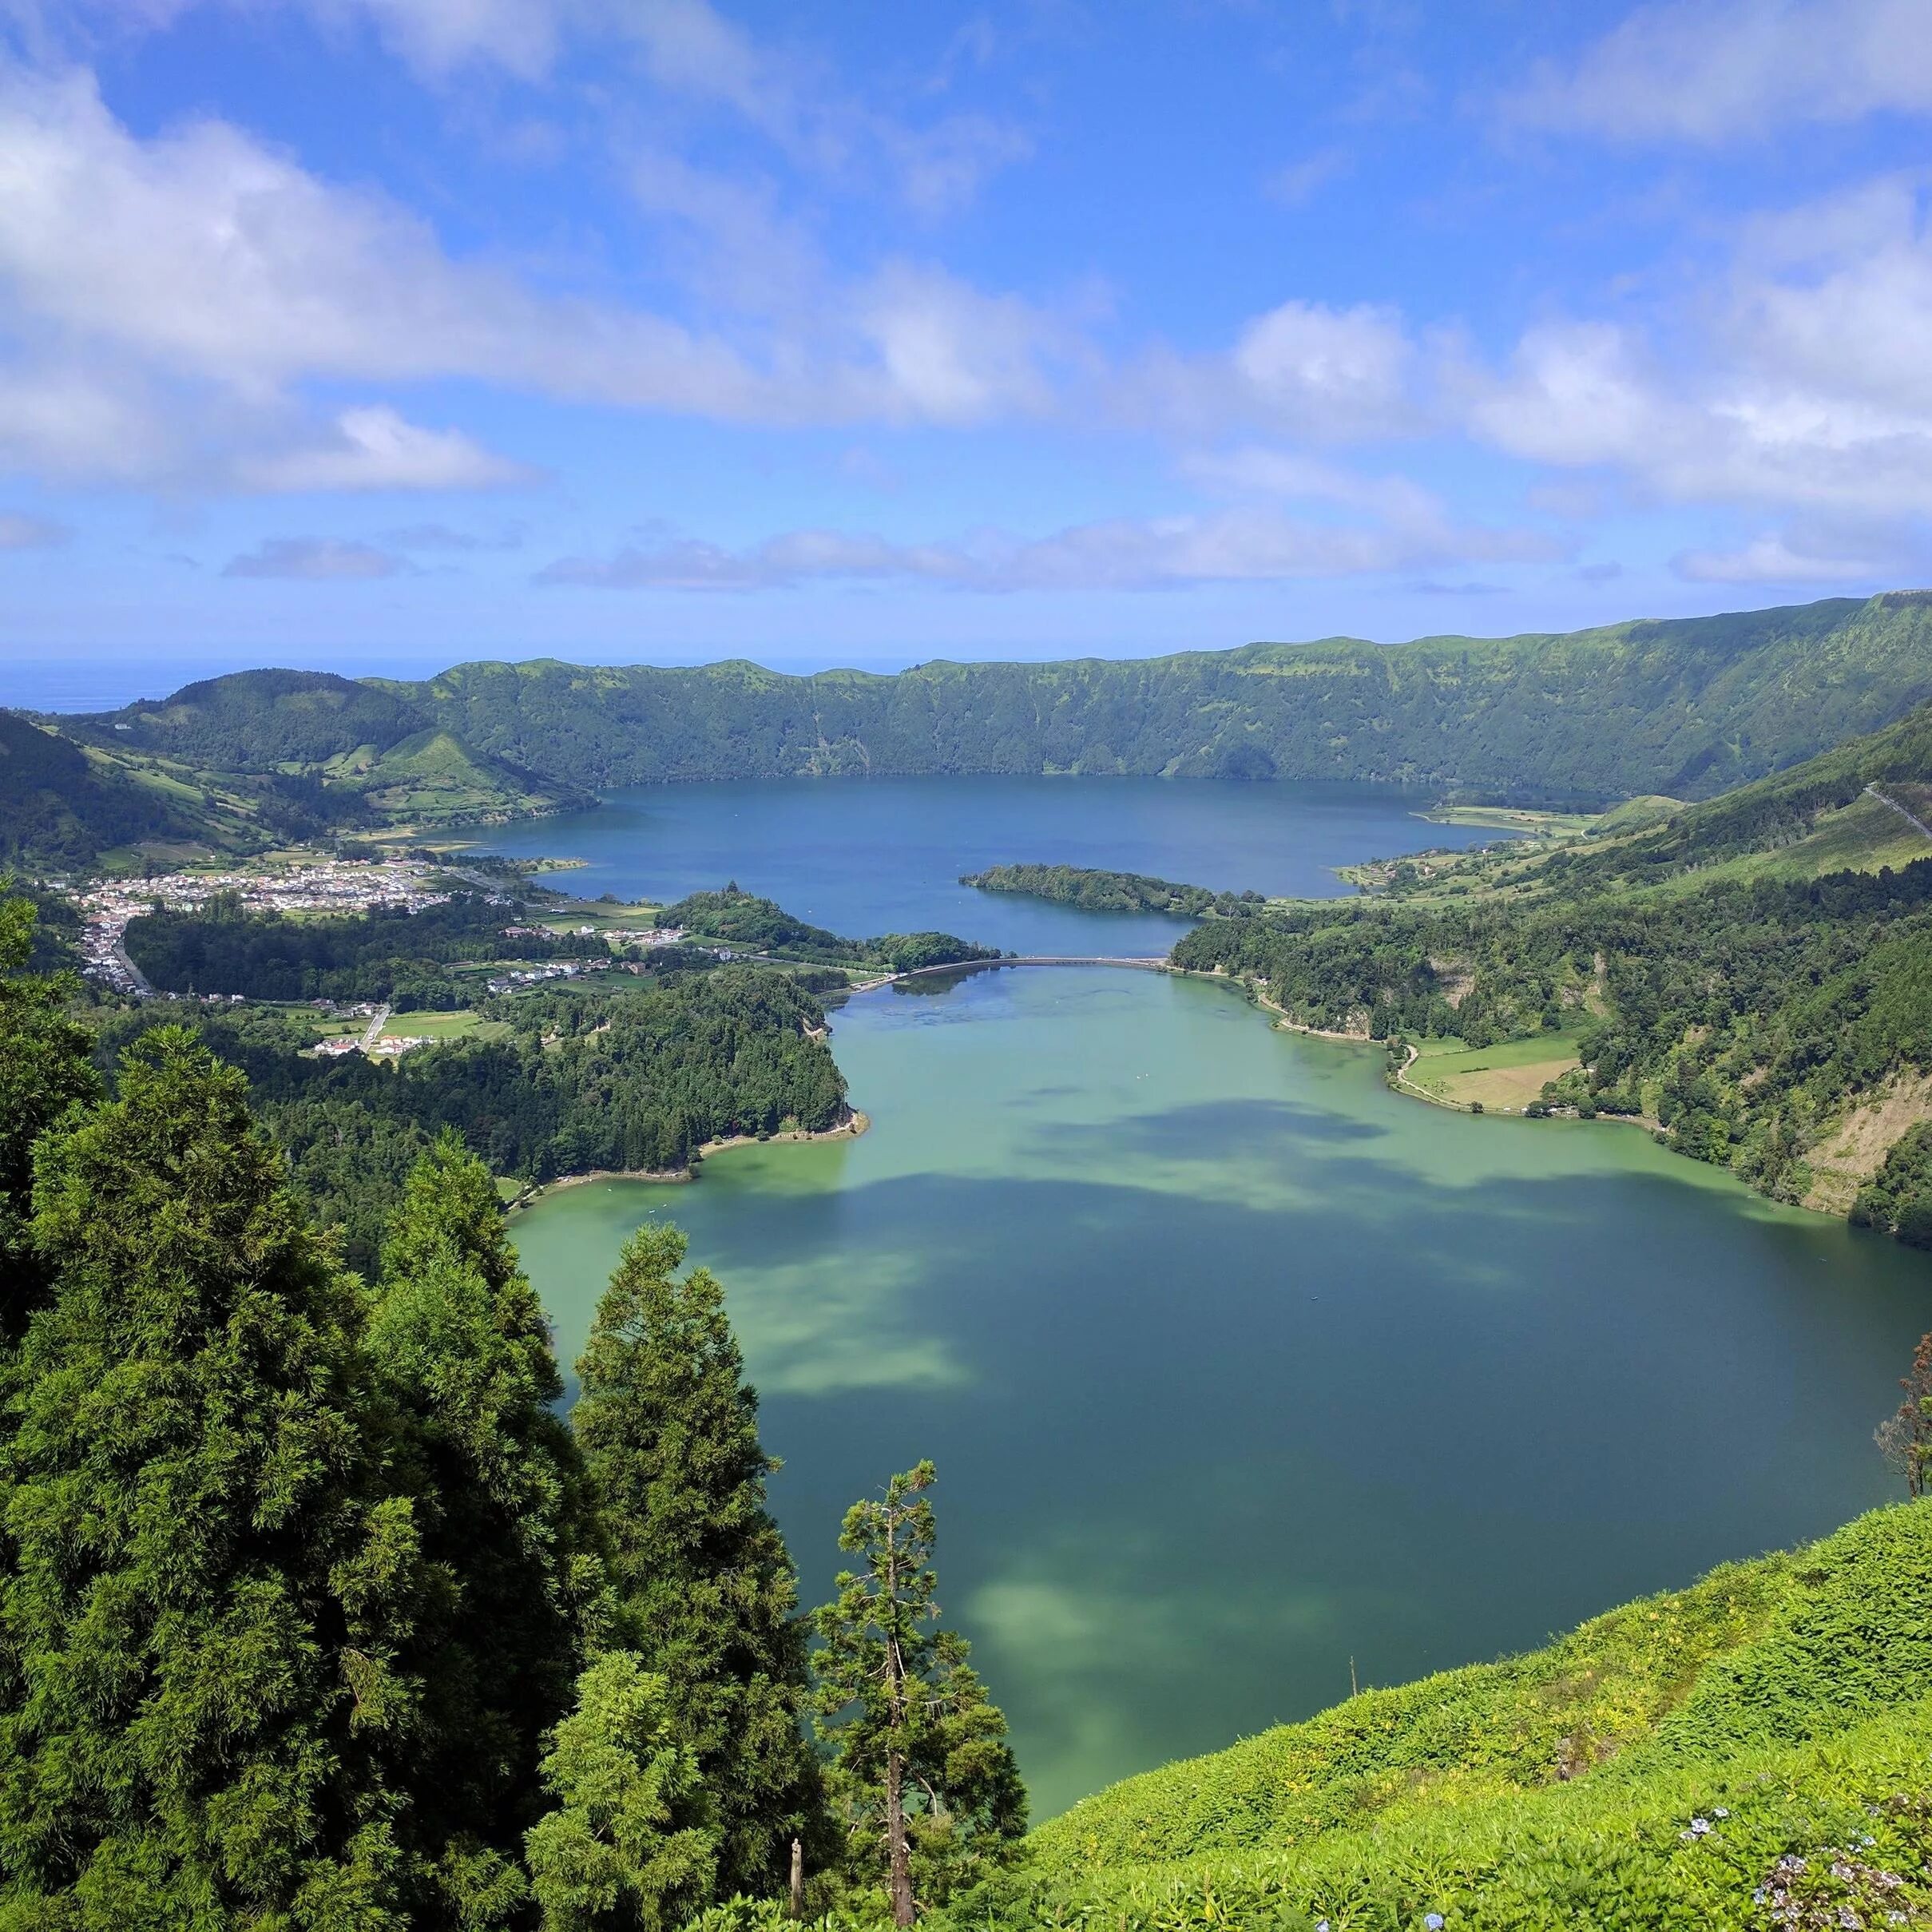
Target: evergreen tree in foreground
[[630, 1846], [44, 1069], [208, 1590], [460, 1349], [922, 1769], [706, 1592]]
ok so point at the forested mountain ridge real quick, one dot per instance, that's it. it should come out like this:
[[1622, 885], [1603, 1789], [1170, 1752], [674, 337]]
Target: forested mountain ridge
[[1684, 706]]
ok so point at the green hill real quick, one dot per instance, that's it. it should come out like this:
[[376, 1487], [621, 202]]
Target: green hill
[[292, 754], [59, 808], [1853, 805], [1660, 1767], [258, 720], [1684, 707]]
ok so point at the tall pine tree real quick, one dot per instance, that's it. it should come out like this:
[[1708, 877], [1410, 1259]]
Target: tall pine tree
[[631, 1846], [921, 1767], [462, 1351], [209, 1590], [706, 1592]]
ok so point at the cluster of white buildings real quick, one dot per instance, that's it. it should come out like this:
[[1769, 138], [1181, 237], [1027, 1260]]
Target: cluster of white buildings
[[559, 968], [324, 885], [643, 935]]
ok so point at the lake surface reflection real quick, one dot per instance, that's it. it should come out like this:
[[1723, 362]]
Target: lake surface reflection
[[1237, 1366]]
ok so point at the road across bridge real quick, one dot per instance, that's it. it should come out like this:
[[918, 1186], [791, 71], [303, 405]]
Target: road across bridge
[[1032, 959]]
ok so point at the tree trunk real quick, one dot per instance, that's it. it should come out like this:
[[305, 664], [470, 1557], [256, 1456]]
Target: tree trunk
[[898, 1856]]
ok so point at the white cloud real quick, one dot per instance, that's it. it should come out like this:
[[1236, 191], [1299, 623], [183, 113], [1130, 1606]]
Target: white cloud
[[691, 49], [314, 560], [1691, 70], [1805, 385], [439, 36], [1249, 542], [1772, 559], [19, 532], [1297, 184], [167, 298], [374, 449], [952, 354], [1331, 375], [687, 49]]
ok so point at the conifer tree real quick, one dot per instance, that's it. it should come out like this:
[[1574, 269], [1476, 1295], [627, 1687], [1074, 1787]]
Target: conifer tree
[[629, 1847], [921, 1770], [1905, 1436], [208, 1590], [44, 1069], [706, 1591], [461, 1349]]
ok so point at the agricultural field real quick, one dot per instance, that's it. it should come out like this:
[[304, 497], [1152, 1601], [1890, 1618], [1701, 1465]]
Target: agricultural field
[[1509, 1076]]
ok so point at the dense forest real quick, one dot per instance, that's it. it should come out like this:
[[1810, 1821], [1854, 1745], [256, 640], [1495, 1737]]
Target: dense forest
[[637, 1077], [317, 1615], [1096, 890], [388, 952], [741, 918], [58, 812]]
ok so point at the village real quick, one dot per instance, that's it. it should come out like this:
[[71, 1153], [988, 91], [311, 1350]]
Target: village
[[320, 886]]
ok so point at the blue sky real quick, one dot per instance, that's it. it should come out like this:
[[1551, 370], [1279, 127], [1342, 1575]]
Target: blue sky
[[386, 333]]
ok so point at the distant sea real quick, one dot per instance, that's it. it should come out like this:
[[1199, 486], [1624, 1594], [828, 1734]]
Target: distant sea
[[89, 686]]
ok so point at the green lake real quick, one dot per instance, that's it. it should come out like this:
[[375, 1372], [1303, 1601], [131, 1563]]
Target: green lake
[[1237, 1367]]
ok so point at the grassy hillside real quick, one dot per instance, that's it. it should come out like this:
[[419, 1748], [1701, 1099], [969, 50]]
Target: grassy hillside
[[262, 755], [1684, 707], [1662, 1766], [58, 808]]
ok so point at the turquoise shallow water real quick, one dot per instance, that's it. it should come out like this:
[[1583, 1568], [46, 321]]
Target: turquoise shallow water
[[1237, 1366]]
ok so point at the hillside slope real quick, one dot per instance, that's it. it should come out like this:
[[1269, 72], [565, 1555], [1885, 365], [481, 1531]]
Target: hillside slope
[[58, 808], [1752, 976], [1659, 1767], [1684, 707], [303, 752]]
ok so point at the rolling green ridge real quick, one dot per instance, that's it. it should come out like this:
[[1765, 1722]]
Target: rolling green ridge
[[1684, 707], [1651, 1769], [243, 762]]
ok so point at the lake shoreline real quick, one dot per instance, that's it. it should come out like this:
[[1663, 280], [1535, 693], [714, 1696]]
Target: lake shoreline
[[1398, 1081], [857, 1121]]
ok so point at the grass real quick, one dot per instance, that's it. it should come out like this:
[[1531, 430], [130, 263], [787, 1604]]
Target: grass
[[1515, 818], [1509, 1075], [1786, 1703], [443, 1026]]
